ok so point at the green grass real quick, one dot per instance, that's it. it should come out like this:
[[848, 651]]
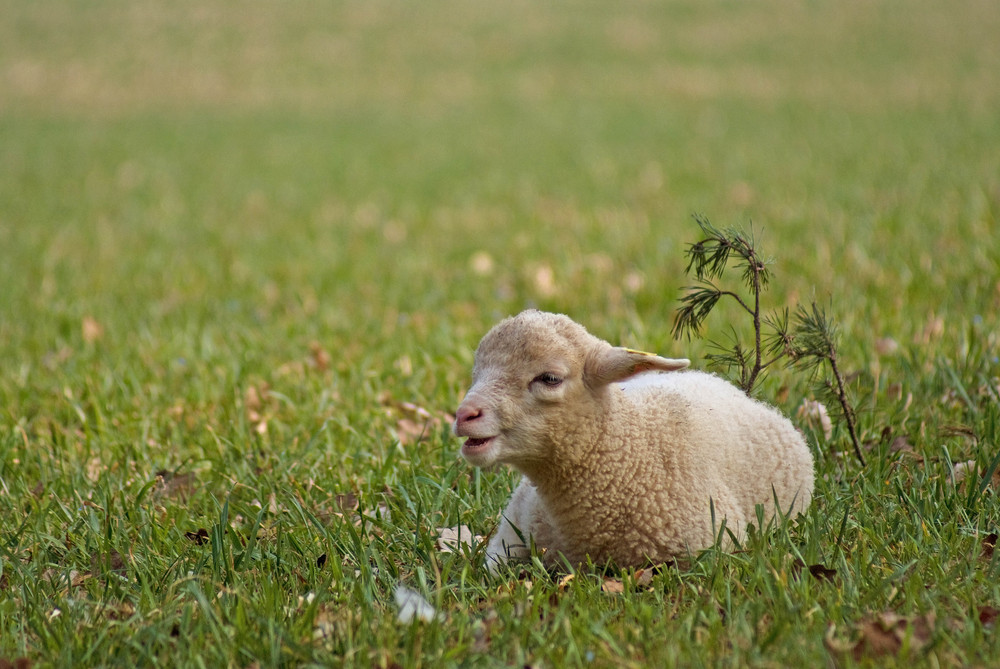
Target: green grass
[[197, 198]]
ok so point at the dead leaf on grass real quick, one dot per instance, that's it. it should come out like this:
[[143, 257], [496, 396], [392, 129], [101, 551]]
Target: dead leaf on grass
[[821, 572], [199, 537], [414, 422], [964, 470], [989, 545], [886, 633], [988, 615], [613, 586], [346, 501], [643, 577], [565, 581], [16, 663], [90, 329], [320, 358], [253, 402], [818, 571], [901, 445], [451, 539], [174, 485]]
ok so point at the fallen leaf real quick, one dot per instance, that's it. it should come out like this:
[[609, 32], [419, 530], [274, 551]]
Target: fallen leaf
[[821, 572], [565, 581], [901, 445], [16, 663], [412, 606], [409, 431], [251, 399], [988, 615], [320, 358], [818, 571], [347, 501], [989, 545], [200, 537], [816, 415], [174, 485], [91, 330], [964, 470], [451, 539], [643, 577], [885, 633], [933, 329], [94, 469], [115, 563], [613, 586]]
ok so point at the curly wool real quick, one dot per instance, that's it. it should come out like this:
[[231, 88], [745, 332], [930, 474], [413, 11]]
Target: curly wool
[[625, 459]]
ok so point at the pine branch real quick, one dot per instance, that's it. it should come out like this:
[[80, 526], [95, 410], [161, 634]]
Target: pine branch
[[808, 342], [812, 344]]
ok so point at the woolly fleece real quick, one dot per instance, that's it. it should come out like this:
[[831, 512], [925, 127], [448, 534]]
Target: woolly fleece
[[625, 459]]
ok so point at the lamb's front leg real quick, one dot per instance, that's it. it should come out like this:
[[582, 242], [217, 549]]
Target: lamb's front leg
[[523, 522]]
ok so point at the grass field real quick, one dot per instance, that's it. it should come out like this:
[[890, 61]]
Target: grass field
[[246, 253]]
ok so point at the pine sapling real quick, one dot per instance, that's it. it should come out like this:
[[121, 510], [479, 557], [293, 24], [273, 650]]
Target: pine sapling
[[808, 343]]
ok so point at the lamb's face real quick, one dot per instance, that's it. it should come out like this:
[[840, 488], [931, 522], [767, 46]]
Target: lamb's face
[[540, 379], [528, 370]]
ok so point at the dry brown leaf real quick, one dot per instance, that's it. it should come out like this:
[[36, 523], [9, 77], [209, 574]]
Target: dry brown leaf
[[16, 663], [885, 634], [902, 446], [173, 485], [565, 581], [818, 571], [251, 399], [613, 586], [988, 615], [989, 545], [320, 358], [91, 330], [200, 537], [821, 572], [643, 577], [94, 469], [451, 539], [964, 470], [410, 432], [346, 501]]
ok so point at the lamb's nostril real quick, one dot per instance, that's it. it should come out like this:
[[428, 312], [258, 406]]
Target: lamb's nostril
[[467, 414]]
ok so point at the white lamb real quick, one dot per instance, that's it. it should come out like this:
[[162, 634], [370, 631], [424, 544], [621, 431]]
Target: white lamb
[[624, 458]]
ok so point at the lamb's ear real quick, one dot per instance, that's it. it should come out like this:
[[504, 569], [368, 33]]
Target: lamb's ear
[[611, 364]]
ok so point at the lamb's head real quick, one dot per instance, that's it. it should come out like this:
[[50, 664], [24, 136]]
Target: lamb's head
[[535, 374]]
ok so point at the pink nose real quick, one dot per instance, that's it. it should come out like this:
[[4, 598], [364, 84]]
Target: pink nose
[[467, 414]]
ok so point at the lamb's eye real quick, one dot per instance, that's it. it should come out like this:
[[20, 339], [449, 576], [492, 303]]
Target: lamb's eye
[[549, 379]]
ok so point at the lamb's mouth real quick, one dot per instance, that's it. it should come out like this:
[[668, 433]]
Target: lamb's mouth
[[474, 445]]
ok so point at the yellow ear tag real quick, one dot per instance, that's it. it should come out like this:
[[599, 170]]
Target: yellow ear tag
[[632, 350]]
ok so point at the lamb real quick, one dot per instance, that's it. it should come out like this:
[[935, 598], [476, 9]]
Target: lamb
[[625, 459]]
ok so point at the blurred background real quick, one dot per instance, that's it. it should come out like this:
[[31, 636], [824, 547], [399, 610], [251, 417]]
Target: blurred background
[[262, 175]]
